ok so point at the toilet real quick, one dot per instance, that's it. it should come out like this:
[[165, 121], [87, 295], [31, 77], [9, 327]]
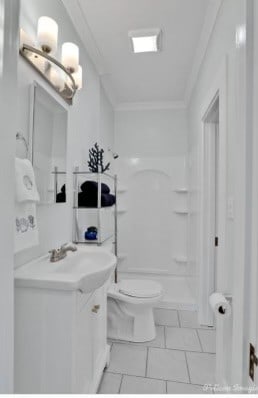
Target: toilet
[[130, 309]]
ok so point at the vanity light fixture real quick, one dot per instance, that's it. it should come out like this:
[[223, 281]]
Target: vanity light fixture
[[78, 78], [145, 40], [65, 76]]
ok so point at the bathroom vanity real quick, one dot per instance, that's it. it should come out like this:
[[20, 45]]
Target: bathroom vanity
[[60, 323]]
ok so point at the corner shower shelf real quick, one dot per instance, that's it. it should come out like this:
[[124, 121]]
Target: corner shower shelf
[[180, 259], [122, 256], [181, 211], [181, 190], [122, 189], [121, 211]]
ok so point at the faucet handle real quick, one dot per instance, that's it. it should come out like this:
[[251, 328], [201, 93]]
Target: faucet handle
[[53, 251], [54, 254]]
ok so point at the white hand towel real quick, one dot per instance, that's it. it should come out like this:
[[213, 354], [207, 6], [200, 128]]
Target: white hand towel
[[26, 228], [26, 189]]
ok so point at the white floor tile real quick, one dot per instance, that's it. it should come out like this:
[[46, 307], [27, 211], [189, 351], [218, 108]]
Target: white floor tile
[[158, 342], [189, 319], [166, 317], [182, 339], [201, 367], [182, 388], [167, 365], [141, 385], [128, 359], [110, 383], [208, 340]]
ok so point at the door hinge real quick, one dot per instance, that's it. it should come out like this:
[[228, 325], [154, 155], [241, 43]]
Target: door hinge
[[253, 361], [216, 241]]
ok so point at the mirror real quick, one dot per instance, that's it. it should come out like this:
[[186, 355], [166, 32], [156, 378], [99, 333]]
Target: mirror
[[48, 145]]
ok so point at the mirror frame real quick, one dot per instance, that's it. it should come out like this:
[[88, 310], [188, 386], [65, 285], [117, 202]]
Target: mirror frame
[[62, 103]]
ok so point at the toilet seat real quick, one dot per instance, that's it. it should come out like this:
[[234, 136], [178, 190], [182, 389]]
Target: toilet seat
[[139, 288]]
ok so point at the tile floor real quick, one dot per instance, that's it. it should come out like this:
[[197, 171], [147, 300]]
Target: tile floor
[[179, 361]]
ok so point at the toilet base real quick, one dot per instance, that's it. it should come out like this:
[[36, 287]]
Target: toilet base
[[129, 322]]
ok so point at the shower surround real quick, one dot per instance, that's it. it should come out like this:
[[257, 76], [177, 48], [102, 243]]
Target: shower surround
[[152, 226]]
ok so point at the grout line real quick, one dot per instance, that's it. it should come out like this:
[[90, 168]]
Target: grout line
[[153, 378], [147, 358], [171, 349], [187, 367], [128, 343], [178, 318], [199, 340], [165, 336], [166, 387], [119, 390]]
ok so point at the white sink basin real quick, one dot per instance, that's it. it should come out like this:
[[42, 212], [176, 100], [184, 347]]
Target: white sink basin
[[86, 270]]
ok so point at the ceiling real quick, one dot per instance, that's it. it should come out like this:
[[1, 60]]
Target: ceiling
[[141, 78]]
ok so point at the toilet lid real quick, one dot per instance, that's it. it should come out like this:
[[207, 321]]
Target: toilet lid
[[140, 288]]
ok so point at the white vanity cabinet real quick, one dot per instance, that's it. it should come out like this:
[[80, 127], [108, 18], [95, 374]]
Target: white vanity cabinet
[[60, 340]]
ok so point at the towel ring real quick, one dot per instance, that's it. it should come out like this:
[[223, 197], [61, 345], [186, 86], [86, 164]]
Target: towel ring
[[20, 137]]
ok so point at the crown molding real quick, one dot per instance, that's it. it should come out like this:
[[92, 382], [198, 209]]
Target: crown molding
[[139, 106], [207, 30]]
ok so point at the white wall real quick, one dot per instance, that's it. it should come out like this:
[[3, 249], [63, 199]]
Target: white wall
[[89, 120], [221, 46], [152, 145], [146, 133], [9, 11]]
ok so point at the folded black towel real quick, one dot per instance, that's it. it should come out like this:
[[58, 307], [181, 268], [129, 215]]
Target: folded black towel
[[91, 187], [61, 197], [63, 189], [85, 200]]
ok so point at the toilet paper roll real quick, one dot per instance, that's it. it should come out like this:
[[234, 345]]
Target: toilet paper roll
[[220, 305]]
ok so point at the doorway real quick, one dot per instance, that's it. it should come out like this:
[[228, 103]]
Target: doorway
[[210, 208]]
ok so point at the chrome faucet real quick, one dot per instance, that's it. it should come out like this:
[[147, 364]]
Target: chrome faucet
[[59, 254]]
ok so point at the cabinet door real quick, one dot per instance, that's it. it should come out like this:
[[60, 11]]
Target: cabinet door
[[99, 324], [84, 369]]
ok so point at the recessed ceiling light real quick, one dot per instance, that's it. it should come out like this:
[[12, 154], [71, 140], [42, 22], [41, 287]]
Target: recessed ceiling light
[[144, 41]]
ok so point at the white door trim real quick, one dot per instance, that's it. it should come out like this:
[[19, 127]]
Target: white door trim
[[9, 11], [243, 189], [218, 89]]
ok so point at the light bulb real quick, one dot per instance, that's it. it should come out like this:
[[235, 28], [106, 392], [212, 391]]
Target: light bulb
[[78, 78], [70, 57], [57, 78], [47, 34]]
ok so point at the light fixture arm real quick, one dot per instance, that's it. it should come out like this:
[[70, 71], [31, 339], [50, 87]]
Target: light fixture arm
[[69, 94]]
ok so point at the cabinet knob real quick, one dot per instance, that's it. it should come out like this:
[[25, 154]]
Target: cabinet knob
[[95, 308]]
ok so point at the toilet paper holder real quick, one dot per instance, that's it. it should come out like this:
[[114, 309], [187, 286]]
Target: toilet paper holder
[[227, 297]]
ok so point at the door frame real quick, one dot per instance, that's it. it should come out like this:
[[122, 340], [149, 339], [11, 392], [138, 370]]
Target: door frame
[[9, 29], [253, 279], [217, 90]]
